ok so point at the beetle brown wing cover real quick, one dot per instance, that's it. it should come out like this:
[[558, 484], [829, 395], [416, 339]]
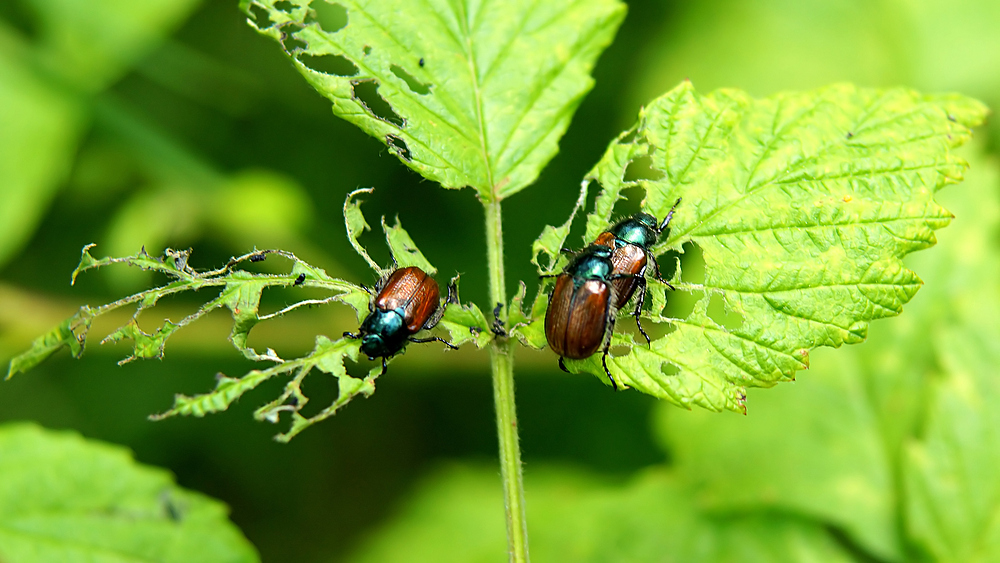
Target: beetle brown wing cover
[[628, 259], [576, 320], [413, 291]]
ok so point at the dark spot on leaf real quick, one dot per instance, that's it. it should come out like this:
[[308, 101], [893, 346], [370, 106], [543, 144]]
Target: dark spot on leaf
[[718, 312], [258, 257], [366, 92], [293, 400], [850, 134], [642, 168], [421, 63], [367, 50], [300, 279], [284, 6], [398, 147], [951, 117], [292, 44], [259, 16], [415, 85], [329, 64], [331, 17]]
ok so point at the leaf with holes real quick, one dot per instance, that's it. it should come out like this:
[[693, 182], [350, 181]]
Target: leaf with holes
[[802, 206], [465, 93]]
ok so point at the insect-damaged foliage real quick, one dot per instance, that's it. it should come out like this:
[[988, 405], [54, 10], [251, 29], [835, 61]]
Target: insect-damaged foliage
[[240, 292], [465, 93], [802, 206]]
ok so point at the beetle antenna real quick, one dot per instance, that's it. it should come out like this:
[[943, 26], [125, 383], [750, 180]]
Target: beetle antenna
[[562, 366], [385, 367], [670, 215]]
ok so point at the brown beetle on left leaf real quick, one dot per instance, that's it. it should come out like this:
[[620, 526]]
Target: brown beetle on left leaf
[[406, 302]]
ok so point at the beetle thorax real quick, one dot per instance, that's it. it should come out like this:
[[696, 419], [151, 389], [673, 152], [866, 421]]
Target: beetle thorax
[[640, 230]]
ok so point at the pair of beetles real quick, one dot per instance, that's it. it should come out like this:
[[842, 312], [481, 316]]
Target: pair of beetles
[[598, 281]]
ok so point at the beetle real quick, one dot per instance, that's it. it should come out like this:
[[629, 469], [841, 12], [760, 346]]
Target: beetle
[[406, 301], [631, 240], [581, 315]]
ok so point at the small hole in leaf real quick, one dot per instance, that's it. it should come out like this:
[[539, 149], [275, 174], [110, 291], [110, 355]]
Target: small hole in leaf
[[367, 50], [415, 85], [630, 137], [259, 16], [284, 6], [329, 64], [692, 264], [641, 168], [398, 147], [669, 369], [331, 17], [718, 312], [366, 92]]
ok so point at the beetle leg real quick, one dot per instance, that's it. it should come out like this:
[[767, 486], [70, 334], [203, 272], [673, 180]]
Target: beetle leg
[[604, 362], [656, 272], [439, 312], [385, 367], [638, 310], [432, 339], [351, 335], [562, 366]]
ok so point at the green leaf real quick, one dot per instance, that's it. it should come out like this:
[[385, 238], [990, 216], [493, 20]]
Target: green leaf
[[465, 93], [802, 205], [847, 427], [356, 226], [327, 356], [577, 517], [404, 250], [71, 333], [240, 291], [63, 498]]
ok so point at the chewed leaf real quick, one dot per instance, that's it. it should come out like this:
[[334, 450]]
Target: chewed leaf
[[553, 239], [465, 93], [404, 249], [528, 327], [356, 226], [71, 333], [239, 290], [466, 323], [802, 206]]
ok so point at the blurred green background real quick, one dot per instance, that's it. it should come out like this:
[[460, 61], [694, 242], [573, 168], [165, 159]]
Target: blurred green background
[[153, 123]]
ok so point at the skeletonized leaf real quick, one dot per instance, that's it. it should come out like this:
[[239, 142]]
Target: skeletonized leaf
[[802, 206], [465, 93]]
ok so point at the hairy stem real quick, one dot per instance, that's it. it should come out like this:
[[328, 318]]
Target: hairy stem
[[502, 363]]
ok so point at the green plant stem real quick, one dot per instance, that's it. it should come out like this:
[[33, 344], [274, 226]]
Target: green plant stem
[[502, 363]]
